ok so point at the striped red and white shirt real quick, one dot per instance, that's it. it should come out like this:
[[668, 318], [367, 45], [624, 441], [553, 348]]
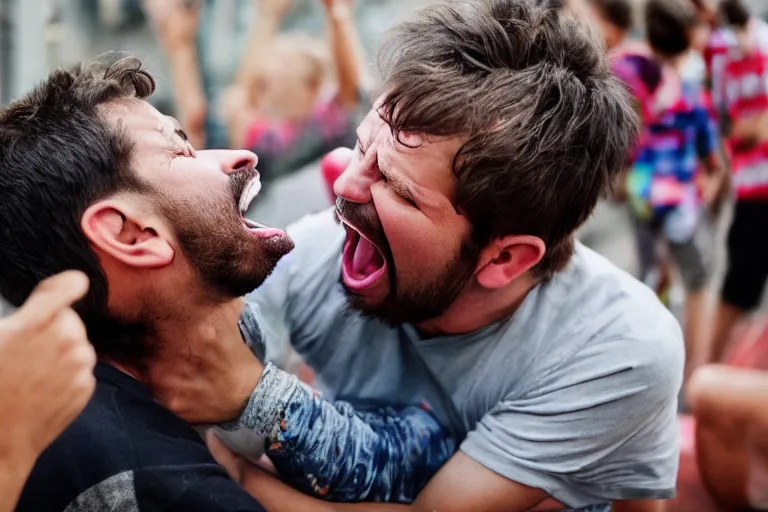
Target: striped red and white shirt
[[740, 89]]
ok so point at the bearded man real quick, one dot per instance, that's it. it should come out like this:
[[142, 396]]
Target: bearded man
[[453, 280]]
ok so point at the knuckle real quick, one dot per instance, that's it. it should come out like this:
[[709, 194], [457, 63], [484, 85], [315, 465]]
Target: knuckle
[[68, 327]]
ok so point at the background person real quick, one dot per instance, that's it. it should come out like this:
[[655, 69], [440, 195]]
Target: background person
[[280, 105]]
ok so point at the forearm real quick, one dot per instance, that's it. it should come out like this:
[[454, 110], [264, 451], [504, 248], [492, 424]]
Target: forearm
[[347, 53], [14, 471], [332, 451], [279, 497], [714, 165], [264, 27], [188, 93], [749, 131]]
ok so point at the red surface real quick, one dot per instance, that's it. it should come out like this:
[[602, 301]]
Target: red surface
[[749, 350], [332, 165]]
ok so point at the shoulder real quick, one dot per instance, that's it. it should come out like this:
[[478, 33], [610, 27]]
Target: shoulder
[[611, 320], [121, 449], [760, 30], [95, 448]]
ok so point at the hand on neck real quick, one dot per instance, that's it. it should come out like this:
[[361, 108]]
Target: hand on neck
[[184, 333], [202, 369]]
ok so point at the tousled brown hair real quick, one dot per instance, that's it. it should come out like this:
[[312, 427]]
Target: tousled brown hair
[[547, 126]]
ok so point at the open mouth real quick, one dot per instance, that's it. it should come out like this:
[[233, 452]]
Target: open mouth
[[250, 191], [363, 263]]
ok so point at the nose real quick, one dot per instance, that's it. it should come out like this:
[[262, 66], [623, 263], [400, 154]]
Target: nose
[[232, 161], [354, 184]]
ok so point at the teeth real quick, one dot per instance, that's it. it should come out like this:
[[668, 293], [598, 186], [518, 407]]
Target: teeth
[[249, 194], [253, 224]]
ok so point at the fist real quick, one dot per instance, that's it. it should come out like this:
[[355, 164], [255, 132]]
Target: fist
[[174, 21], [46, 366], [332, 165]]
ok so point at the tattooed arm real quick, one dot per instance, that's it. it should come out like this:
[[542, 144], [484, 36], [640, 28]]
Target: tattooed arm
[[337, 453]]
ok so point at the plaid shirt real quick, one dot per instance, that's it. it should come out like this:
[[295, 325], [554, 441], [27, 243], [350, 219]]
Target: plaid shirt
[[740, 90]]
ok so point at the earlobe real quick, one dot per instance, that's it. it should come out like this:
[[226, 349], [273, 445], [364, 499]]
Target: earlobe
[[113, 229], [506, 259]]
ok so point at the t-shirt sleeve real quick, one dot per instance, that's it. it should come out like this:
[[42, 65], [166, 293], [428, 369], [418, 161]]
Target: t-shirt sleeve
[[598, 428]]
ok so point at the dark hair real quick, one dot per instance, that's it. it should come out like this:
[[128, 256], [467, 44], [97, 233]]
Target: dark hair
[[547, 125], [734, 12], [616, 12], [669, 25], [58, 155]]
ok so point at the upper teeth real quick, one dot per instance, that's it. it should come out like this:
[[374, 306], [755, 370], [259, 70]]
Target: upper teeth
[[249, 194]]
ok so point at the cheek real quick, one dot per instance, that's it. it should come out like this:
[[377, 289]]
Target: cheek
[[420, 245]]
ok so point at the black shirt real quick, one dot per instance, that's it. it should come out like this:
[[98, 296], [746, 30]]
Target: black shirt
[[126, 452]]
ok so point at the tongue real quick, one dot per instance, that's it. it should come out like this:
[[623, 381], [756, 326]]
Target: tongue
[[367, 258]]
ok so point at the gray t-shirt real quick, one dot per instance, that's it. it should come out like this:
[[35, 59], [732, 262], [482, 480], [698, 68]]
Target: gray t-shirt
[[576, 393]]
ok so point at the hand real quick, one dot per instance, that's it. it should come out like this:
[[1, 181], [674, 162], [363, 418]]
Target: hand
[[46, 366], [274, 8], [346, 6], [333, 165], [174, 21], [235, 465], [213, 383], [713, 190]]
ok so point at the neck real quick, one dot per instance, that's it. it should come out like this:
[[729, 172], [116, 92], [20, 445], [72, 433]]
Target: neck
[[173, 336], [476, 309]]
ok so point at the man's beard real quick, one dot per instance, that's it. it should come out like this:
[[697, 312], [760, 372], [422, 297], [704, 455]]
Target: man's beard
[[411, 302], [229, 260]]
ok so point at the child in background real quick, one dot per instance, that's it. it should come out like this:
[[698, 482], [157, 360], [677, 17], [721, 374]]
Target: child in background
[[667, 193], [614, 20], [739, 70], [280, 105]]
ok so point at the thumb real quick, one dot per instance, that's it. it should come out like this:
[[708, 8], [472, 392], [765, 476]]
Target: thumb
[[51, 296]]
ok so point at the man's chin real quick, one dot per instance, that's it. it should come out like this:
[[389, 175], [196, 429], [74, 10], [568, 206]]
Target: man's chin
[[381, 308]]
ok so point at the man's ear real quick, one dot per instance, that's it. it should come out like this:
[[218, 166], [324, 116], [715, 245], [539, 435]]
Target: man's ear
[[505, 259], [116, 228]]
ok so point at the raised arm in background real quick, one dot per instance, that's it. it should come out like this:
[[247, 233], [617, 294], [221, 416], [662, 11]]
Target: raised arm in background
[[240, 102], [175, 23], [346, 50]]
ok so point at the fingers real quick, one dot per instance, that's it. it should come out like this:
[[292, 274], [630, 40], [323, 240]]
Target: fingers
[[230, 461], [50, 297]]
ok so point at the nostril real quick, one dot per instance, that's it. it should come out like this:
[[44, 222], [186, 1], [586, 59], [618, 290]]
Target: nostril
[[242, 165]]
